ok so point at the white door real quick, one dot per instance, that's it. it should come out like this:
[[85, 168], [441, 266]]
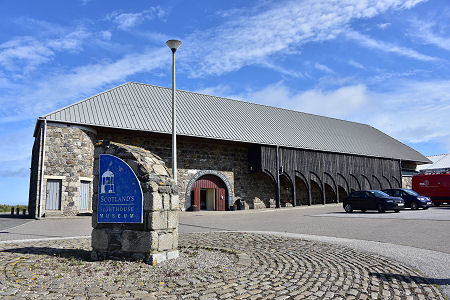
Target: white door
[[53, 199], [85, 196]]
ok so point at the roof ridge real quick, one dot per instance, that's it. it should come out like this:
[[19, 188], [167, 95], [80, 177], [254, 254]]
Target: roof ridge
[[85, 99], [252, 103]]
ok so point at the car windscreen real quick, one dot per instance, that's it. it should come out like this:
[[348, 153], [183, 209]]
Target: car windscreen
[[379, 194], [412, 193]]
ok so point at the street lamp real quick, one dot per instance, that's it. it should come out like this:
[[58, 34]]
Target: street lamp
[[173, 45]]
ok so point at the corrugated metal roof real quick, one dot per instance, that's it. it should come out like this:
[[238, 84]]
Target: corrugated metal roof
[[441, 161], [138, 106]]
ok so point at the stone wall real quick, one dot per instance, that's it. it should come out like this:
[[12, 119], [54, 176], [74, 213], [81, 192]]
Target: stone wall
[[69, 154], [196, 154], [156, 239], [407, 182]]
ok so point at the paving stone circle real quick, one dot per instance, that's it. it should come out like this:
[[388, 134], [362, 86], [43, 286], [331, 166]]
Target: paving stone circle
[[218, 265]]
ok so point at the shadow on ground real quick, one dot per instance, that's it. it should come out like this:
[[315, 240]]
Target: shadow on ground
[[409, 279], [79, 254]]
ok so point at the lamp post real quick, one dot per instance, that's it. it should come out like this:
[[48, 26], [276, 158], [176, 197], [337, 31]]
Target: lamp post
[[173, 45]]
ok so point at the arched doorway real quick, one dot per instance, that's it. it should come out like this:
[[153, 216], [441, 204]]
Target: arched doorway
[[301, 189], [285, 191], [209, 192]]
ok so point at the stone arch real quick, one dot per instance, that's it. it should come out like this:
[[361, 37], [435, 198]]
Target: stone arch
[[396, 183], [301, 189], [387, 183], [365, 182], [316, 189], [196, 176], [354, 183], [262, 190], [286, 190], [330, 188], [377, 183]]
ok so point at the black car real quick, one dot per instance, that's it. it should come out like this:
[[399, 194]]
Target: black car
[[412, 199], [372, 200]]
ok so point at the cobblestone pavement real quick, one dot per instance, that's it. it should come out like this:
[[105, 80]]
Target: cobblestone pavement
[[212, 266]]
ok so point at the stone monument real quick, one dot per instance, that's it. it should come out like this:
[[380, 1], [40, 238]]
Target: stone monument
[[135, 205]]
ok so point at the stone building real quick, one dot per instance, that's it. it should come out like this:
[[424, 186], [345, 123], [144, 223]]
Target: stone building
[[229, 152]]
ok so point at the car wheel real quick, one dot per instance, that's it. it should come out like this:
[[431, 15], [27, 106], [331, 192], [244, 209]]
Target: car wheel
[[364, 210], [348, 208], [380, 208], [396, 210], [414, 206]]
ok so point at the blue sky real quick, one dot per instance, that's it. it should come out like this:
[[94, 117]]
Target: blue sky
[[381, 62]]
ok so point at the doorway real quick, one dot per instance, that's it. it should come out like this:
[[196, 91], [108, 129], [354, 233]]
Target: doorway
[[208, 193]]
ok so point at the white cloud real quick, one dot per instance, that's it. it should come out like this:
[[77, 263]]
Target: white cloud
[[126, 21], [411, 111], [26, 53], [387, 47], [33, 100], [384, 25], [356, 64], [323, 68], [426, 31], [281, 29]]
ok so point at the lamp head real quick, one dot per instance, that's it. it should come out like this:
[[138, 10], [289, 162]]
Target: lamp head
[[173, 45]]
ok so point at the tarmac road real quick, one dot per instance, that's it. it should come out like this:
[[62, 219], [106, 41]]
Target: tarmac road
[[426, 229]]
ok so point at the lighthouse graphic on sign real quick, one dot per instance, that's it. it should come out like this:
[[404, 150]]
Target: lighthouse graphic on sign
[[107, 186]]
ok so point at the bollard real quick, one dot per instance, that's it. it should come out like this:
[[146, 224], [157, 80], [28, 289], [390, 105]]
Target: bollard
[[12, 211], [17, 211], [24, 211]]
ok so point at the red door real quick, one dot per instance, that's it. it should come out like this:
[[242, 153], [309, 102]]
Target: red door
[[196, 200], [220, 199]]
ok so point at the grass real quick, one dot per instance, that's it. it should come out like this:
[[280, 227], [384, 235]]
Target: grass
[[7, 208]]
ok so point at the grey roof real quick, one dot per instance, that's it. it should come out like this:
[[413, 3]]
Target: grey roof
[[138, 106], [441, 161]]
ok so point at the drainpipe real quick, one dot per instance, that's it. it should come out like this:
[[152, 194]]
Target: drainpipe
[[278, 204], [42, 171]]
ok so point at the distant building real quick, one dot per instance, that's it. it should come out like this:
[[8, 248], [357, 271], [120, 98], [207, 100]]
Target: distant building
[[440, 164], [229, 151]]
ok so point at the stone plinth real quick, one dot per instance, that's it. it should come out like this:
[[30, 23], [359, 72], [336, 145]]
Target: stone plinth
[[154, 240]]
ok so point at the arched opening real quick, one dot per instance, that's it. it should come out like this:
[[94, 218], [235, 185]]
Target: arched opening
[[330, 195], [342, 186], [342, 193], [209, 192], [301, 190], [386, 183], [329, 186], [376, 183], [285, 191], [261, 193], [316, 190], [354, 183], [396, 183], [365, 183]]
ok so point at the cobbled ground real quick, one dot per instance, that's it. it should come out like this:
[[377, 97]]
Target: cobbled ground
[[211, 266]]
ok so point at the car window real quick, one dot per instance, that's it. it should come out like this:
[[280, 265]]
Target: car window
[[389, 192], [379, 193], [355, 194], [366, 195], [412, 193], [396, 193]]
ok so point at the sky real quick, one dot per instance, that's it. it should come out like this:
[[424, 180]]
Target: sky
[[384, 63]]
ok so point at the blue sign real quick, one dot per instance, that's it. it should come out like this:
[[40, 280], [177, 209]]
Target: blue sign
[[119, 192]]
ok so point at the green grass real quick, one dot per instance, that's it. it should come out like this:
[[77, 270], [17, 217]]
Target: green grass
[[7, 208]]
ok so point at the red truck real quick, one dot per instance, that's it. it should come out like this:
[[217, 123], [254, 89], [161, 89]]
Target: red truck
[[435, 186]]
